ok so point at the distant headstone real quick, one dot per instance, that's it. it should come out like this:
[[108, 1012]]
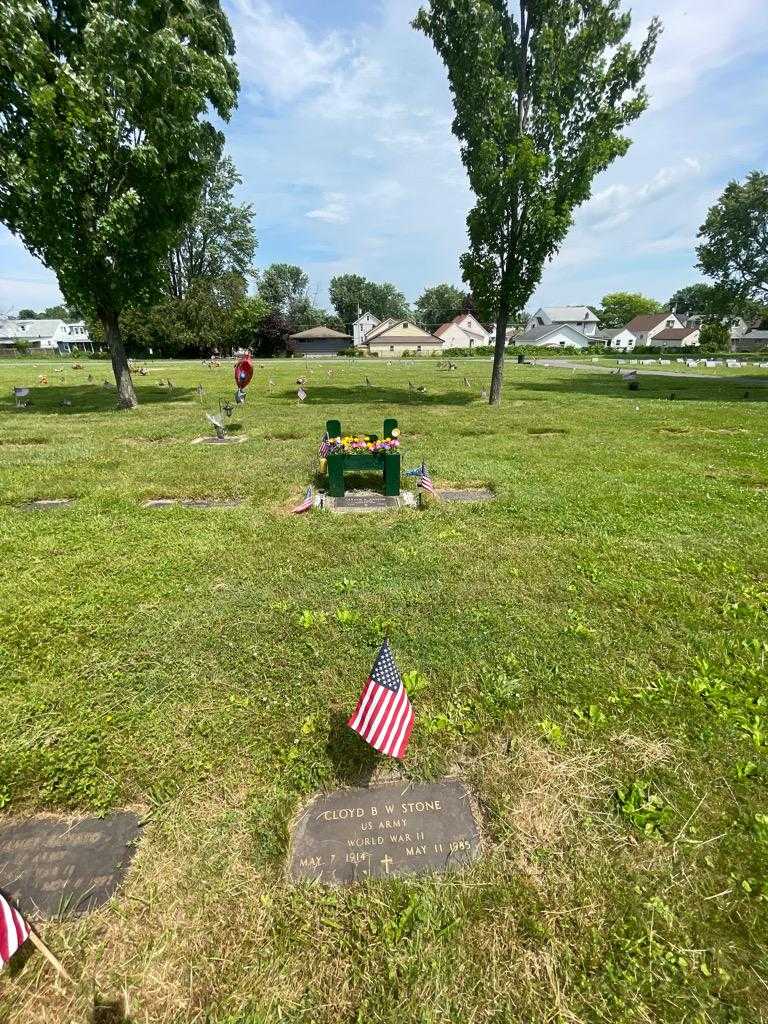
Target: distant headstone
[[46, 504], [385, 831], [56, 867], [210, 502], [229, 439]]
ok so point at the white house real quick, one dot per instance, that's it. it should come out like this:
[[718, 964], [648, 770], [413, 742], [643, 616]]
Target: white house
[[580, 317], [362, 327], [401, 338], [620, 340], [676, 337], [464, 331], [46, 335], [554, 336], [380, 328], [645, 328]]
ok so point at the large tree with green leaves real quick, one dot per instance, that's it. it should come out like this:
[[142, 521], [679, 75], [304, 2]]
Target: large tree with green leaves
[[352, 294], [219, 239], [542, 90], [618, 308], [734, 247], [105, 142], [437, 305]]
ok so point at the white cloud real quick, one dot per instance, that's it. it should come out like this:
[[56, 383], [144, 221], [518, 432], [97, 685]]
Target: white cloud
[[616, 204], [276, 55], [699, 37], [333, 212], [675, 242]]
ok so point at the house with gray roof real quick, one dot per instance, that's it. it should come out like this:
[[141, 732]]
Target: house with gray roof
[[318, 341], [45, 335], [579, 317], [754, 340], [553, 336]]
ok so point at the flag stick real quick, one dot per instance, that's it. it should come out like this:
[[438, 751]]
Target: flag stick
[[38, 943]]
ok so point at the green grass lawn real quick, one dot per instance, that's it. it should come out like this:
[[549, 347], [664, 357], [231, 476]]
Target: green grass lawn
[[591, 657]]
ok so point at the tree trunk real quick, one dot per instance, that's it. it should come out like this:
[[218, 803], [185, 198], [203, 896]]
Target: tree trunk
[[497, 377], [126, 396]]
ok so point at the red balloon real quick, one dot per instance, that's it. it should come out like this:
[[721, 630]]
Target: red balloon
[[244, 372]]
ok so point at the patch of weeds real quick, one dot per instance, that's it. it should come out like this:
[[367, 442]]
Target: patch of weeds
[[646, 810], [576, 627], [756, 730], [414, 682], [745, 771], [753, 888], [759, 827], [750, 605], [552, 733], [347, 616], [309, 619], [500, 693], [591, 715], [459, 719], [379, 628], [345, 586]]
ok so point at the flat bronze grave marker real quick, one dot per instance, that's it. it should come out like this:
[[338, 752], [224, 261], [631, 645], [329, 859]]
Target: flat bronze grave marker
[[368, 501], [46, 504], [385, 831], [55, 867], [192, 502], [468, 494], [230, 439]]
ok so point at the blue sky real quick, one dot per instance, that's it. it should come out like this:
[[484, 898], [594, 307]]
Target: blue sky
[[343, 140]]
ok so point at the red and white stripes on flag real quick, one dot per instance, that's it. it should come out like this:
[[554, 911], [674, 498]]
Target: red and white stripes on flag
[[425, 481], [13, 931], [384, 716], [307, 504]]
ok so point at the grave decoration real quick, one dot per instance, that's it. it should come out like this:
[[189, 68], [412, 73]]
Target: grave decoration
[[15, 931], [385, 831], [384, 716], [243, 377], [21, 394], [360, 452]]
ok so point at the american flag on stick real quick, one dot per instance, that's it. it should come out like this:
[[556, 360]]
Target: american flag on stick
[[301, 394], [307, 504], [384, 716], [325, 446], [425, 481], [14, 931]]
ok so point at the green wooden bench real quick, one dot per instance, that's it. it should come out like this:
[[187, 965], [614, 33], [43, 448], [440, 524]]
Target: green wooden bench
[[387, 463]]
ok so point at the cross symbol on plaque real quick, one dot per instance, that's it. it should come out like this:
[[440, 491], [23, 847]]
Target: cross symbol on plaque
[[386, 860]]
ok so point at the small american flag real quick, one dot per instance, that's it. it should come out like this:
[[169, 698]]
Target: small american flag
[[301, 394], [306, 505], [425, 481], [325, 446], [384, 716], [13, 931]]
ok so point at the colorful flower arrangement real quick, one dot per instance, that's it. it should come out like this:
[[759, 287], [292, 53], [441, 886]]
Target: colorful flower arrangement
[[363, 444]]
